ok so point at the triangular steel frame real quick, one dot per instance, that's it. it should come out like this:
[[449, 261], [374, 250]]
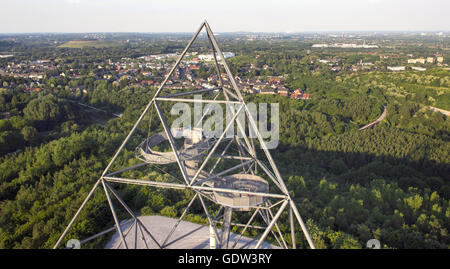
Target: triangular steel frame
[[247, 156]]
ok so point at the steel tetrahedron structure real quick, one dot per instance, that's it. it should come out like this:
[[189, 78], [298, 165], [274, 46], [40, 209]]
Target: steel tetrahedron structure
[[244, 180]]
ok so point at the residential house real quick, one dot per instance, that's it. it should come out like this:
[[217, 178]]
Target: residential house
[[297, 94], [420, 60], [268, 91], [275, 81], [305, 96], [283, 91]]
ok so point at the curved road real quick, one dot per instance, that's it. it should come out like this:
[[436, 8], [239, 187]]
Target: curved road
[[383, 115], [435, 109]]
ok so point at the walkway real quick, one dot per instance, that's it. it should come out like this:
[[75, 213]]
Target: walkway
[[370, 125], [188, 235]]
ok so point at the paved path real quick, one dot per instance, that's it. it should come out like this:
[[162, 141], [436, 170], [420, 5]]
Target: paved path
[[445, 112], [383, 115], [188, 235]]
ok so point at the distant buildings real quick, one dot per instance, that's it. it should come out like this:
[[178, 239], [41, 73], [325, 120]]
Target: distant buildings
[[345, 46], [268, 91], [430, 60], [206, 57], [299, 94], [45, 61], [149, 58], [366, 64], [210, 57], [228, 54], [418, 60], [421, 61], [148, 71], [396, 68], [283, 91], [320, 46]]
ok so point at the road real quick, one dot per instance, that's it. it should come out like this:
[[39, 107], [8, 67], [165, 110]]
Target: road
[[445, 112], [383, 115]]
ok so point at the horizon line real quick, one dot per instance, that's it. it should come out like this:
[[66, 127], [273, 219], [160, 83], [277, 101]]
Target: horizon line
[[230, 32]]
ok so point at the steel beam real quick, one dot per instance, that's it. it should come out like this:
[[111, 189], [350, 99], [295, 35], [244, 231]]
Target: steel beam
[[130, 211], [211, 222], [266, 219], [213, 148], [276, 226], [143, 236], [116, 220], [190, 92], [224, 172], [172, 144], [127, 169], [179, 59], [125, 234], [269, 228], [291, 220], [76, 214], [232, 157], [223, 152], [179, 220], [250, 118], [104, 232], [302, 224], [245, 228], [194, 187], [196, 100]]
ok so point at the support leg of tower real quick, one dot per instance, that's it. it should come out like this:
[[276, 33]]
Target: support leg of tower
[[226, 226]]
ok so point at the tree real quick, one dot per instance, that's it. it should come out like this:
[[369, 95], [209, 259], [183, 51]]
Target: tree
[[169, 211], [338, 167], [10, 141], [414, 202], [46, 110], [30, 134]]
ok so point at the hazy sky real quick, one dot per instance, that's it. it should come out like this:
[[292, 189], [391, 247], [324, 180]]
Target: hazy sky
[[223, 16]]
